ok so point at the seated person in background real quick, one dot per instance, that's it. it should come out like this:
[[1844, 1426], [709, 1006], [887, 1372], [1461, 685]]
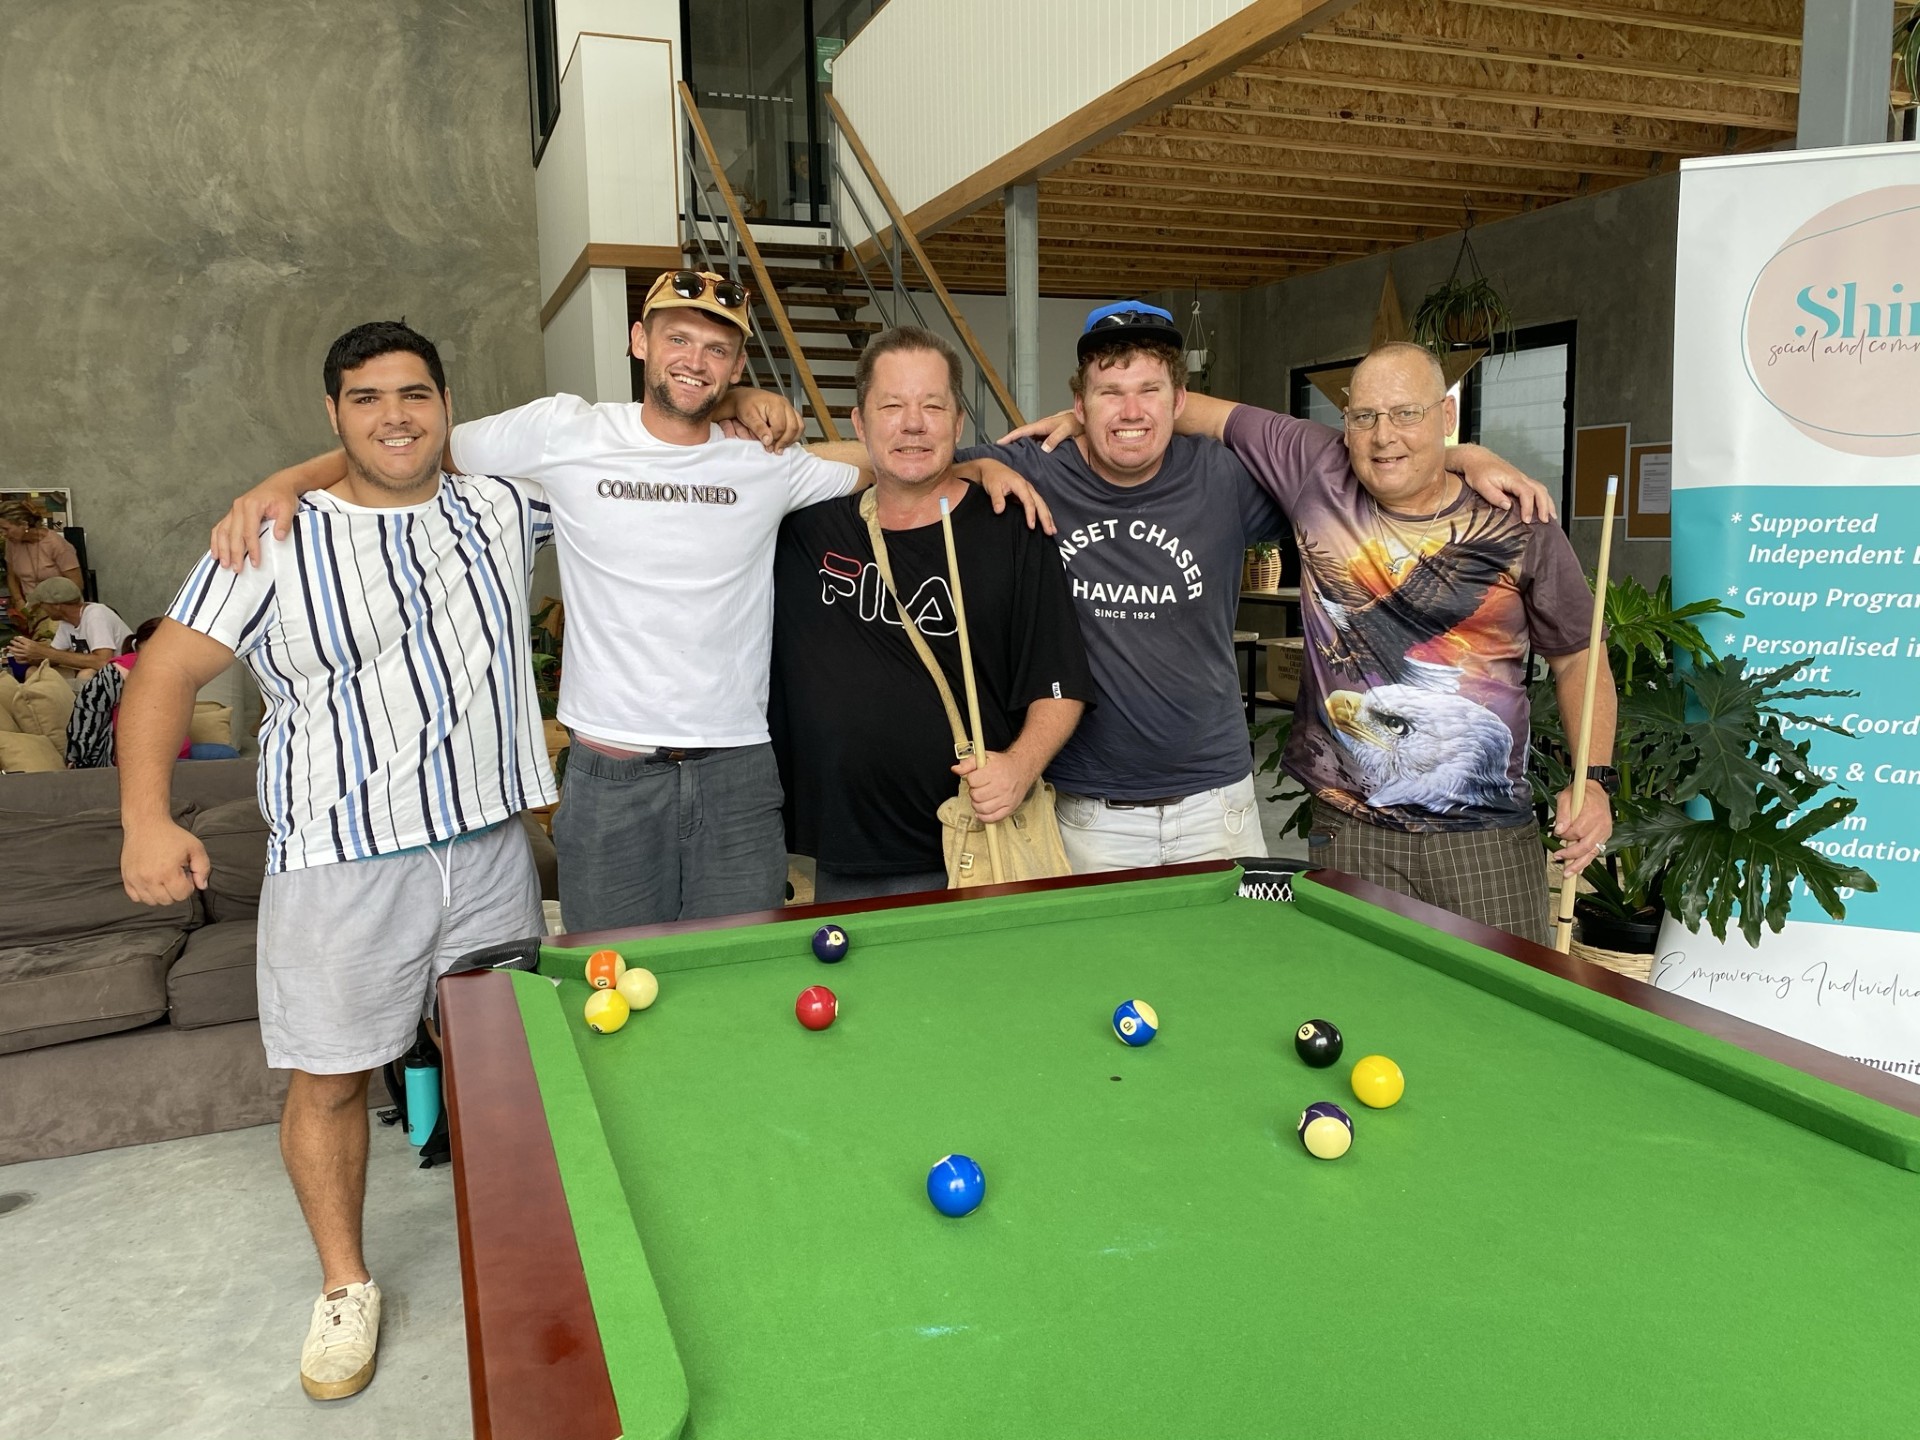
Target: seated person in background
[[859, 728], [96, 710], [34, 553], [89, 634]]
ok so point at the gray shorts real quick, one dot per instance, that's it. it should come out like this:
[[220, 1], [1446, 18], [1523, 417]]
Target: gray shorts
[[349, 953]]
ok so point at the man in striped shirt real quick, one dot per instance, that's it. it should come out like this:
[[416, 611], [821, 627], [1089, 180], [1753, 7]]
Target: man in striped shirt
[[402, 738]]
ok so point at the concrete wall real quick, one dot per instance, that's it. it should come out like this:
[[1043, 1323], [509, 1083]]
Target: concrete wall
[[1605, 262], [199, 197]]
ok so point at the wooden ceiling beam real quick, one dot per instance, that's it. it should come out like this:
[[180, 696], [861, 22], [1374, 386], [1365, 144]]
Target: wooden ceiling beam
[[1188, 187], [1297, 145], [1106, 242], [1684, 22], [1570, 60], [1594, 139], [1062, 207], [1377, 179], [1054, 227], [1616, 103]]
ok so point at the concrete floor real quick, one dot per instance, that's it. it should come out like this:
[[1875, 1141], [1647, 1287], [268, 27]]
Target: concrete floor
[[163, 1291]]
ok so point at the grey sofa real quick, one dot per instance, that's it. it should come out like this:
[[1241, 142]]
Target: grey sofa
[[120, 1023]]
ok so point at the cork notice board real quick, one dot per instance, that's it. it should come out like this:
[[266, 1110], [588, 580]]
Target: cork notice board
[[1598, 451], [1650, 492]]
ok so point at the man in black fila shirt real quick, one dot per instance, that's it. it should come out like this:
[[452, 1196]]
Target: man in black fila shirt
[[864, 746]]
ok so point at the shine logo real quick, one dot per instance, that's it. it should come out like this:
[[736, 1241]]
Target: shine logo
[[1832, 325]]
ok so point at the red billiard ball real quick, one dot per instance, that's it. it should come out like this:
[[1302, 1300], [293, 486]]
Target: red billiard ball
[[816, 1007]]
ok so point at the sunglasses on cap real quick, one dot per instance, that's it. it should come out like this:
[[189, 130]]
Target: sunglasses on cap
[[1126, 314], [697, 284]]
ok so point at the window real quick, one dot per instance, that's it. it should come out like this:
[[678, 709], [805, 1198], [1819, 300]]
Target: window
[[1518, 402], [543, 73]]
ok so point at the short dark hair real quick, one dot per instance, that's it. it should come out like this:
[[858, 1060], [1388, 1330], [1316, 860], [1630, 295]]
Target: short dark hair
[[142, 635], [374, 339], [1121, 352], [906, 337]]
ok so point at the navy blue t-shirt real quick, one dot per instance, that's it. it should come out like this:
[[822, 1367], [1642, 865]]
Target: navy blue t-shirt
[[1154, 570]]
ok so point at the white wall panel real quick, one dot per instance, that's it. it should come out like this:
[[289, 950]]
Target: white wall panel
[[939, 91], [659, 19], [586, 341]]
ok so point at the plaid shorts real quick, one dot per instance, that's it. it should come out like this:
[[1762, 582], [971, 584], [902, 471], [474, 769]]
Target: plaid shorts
[[1497, 877]]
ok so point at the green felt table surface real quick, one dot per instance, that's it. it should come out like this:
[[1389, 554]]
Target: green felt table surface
[[1559, 1231]]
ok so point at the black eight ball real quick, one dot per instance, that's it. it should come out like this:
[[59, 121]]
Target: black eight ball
[[1318, 1043]]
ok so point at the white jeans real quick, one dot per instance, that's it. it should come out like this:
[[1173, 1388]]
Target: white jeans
[[1221, 824]]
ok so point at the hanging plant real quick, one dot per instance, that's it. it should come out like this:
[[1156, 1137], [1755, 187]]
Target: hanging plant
[[1466, 310]]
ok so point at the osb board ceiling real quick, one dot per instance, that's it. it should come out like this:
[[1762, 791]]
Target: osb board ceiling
[[1390, 124]]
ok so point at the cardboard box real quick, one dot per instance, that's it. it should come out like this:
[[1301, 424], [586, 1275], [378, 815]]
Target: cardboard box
[[1286, 660]]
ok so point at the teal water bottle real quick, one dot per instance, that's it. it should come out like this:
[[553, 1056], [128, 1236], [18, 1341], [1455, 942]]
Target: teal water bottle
[[422, 1073]]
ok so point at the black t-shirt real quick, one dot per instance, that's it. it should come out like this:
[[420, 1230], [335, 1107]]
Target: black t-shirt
[[1154, 571], [864, 746]]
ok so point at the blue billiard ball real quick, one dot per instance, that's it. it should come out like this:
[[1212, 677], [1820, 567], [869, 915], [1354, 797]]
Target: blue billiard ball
[[1135, 1023], [1325, 1130], [956, 1185], [830, 943]]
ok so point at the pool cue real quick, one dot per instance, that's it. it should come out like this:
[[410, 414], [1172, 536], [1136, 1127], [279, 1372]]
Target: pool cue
[[1563, 924], [966, 675]]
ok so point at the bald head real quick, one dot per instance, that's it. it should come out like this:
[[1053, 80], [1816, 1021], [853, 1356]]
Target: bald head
[[1406, 358]]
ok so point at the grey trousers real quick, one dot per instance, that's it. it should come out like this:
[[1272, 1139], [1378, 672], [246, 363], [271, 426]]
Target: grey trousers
[[642, 841]]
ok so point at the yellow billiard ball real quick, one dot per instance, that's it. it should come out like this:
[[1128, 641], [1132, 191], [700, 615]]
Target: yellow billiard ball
[[606, 1011], [638, 988], [1377, 1082], [604, 969]]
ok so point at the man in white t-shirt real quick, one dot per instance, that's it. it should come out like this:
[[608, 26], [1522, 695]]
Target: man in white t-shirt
[[665, 527], [89, 634], [388, 633]]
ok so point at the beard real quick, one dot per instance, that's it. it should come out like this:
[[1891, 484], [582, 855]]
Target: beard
[[366, 474], [660, 392]]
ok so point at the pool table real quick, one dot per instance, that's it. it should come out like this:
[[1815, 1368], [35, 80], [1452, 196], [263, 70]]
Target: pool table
[[1600, 1210]]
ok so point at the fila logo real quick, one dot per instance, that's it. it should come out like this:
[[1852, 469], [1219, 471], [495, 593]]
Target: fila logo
[[844, 578]]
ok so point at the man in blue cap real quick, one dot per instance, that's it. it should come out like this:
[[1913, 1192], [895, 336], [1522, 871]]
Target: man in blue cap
[[1152, 526]]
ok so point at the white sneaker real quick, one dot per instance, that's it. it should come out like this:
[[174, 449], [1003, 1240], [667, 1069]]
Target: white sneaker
[[337, 1360]]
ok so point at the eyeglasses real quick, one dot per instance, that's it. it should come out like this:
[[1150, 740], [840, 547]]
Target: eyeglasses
[[1132, 317], [1404, 417], [696, 284]]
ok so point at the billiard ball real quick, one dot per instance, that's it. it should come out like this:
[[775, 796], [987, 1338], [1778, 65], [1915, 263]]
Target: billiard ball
[[1135, 1023], [638, 988], [606, 1011], [1318, 1043], [830, 944], [1377, 1081], [1325, 1130], [956, 1185], [604, 969], [816, 1007]]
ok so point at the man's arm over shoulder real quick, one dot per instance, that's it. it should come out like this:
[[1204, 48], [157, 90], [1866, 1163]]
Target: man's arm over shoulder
[[525, 441]]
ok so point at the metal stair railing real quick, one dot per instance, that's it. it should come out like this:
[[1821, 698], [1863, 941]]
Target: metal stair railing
[[735, 242], [899, 243]]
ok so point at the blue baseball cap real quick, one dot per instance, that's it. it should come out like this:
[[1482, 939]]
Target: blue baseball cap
[[1132, 322]]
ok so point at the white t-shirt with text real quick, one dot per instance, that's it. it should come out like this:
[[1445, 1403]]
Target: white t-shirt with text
[[666, 564]]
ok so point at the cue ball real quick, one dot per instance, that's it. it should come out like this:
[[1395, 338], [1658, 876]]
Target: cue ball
[[816, 1007], [1134, 1022], [1377, 1082], [606, 1011], [956, 1185], [1318, 1043], [604, 969], [830, 944], [1325, 1130], [638, 988]]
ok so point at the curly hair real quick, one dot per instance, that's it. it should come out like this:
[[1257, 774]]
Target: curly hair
[[1122, 352]]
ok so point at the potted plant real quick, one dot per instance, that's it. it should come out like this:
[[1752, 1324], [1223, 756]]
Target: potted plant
[[1716, 803], [1466, 310], [1262, 569]]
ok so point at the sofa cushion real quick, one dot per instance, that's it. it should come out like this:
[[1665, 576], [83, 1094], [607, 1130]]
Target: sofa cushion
[[212, 981], [43, 704], [200, 784], [28, 754], [212, 723], [63, 880], [8, 685], [235, 835], [70, 989]]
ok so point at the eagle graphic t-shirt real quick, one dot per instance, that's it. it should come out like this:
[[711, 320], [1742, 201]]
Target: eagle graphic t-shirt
[[1412, 711]]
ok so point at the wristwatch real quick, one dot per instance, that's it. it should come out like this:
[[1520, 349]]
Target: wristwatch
[[1607, 777]]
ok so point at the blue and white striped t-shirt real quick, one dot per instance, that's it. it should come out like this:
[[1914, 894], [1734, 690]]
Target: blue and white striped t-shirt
[[392, 649]]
